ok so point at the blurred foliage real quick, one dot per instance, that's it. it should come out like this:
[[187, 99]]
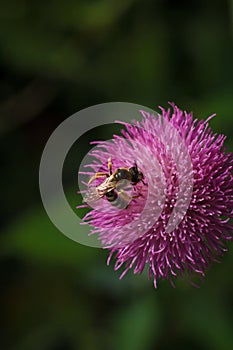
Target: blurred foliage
[[57, 57]]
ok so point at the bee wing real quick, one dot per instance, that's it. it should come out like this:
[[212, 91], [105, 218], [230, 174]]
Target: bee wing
[[95, 193], [91, 195], [105, 187]]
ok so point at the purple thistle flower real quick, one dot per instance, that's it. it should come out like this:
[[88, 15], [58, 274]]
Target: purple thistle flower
[[176, 223]]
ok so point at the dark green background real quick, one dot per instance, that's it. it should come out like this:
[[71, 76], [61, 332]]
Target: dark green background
[[58, 57]]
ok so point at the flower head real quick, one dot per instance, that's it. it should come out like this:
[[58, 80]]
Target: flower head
[[176, 220]]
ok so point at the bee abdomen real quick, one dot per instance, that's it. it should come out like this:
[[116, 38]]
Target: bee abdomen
[[111, 195], [116, 200]]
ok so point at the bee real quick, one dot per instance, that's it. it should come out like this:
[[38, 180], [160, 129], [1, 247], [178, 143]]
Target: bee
[[115, 185]]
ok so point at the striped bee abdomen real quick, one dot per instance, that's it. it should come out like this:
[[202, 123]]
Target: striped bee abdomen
[[116, 199]]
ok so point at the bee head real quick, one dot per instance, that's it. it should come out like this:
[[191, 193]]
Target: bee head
[[136, 175]]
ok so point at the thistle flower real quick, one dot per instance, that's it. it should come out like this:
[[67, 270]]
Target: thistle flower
[[177, 221]]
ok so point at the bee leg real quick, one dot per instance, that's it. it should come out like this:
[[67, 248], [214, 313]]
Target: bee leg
[[140, 190], [97, 176], [110, 165], [137, 195]]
